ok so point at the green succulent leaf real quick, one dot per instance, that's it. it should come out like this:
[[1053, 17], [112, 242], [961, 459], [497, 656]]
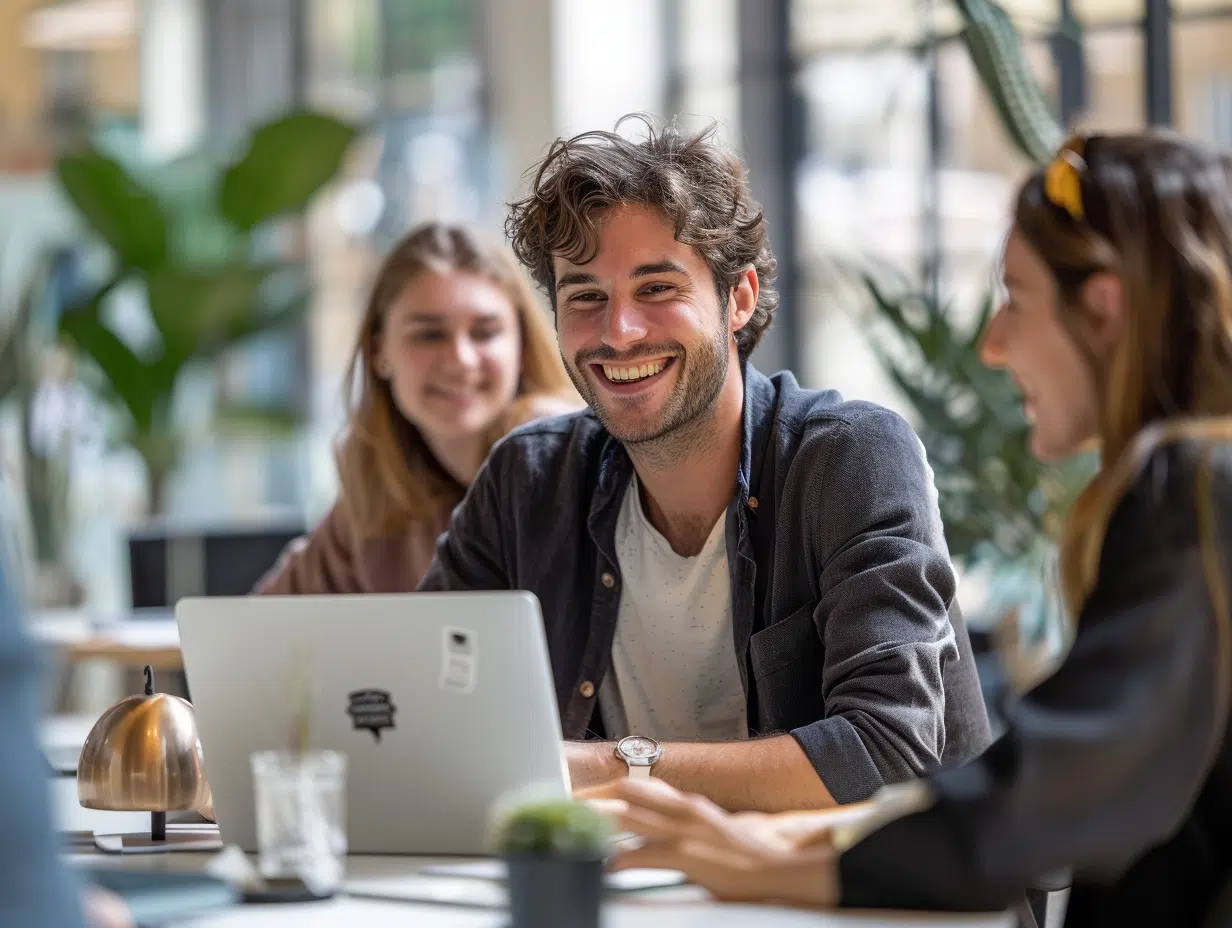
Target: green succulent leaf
[[556, 827]]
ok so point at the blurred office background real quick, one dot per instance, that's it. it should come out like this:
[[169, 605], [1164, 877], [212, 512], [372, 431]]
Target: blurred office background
[[868, 133]]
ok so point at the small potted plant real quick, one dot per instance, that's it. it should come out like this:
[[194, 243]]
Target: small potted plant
[[554, 849]]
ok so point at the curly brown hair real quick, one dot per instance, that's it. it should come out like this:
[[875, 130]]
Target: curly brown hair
[[699, 186]]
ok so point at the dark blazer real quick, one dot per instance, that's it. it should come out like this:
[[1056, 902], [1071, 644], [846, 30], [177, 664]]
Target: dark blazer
[[34, 888], [1118, 765], [840, 578]]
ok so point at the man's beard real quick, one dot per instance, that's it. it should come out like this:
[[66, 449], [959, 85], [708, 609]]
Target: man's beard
[[700, 376]]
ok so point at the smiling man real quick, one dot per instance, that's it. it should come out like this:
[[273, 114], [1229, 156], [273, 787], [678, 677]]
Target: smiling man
[[745, 586]]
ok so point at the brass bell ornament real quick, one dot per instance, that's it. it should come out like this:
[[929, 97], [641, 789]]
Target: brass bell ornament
[[144, 755]]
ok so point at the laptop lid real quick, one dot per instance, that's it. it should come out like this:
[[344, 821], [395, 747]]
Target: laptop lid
[[441, 702]]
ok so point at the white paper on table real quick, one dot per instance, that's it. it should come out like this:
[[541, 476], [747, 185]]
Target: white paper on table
[[625, 881], [142, 633], [442, 890]]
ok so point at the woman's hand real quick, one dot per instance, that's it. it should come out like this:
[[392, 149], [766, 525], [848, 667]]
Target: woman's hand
[[747, 857]]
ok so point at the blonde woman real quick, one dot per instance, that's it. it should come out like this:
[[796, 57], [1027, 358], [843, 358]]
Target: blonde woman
[[1118, 328], [453, 352]]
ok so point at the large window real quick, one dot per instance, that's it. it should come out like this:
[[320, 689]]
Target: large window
[[1203, 77], [412, 74], [878, 185]]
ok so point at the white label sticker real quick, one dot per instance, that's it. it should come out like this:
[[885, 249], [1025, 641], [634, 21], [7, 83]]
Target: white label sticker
[[459, 659]]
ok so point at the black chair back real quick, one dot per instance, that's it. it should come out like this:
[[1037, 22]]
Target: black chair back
[[168, 564]]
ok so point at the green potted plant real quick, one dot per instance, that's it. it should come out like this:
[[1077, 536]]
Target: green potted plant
[[997, 499], [554, 849], [1002, 509], [195, 242]]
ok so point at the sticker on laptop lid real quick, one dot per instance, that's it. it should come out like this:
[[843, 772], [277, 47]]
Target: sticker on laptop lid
[[371, 710], [459, 659]]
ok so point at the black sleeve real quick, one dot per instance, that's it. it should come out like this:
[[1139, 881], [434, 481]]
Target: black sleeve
[[1101, 761], [887, 586]]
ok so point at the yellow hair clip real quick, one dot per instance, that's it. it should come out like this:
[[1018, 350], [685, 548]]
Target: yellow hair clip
[[1063, 178]]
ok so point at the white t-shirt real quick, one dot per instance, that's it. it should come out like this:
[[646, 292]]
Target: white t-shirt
[[674, 675]]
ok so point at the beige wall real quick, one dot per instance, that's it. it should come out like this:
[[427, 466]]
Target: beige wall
[[20, 97], [117, 80], [113, 81]]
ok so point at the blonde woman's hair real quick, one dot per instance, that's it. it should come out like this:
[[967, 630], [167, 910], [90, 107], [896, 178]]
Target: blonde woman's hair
[[389, 477]]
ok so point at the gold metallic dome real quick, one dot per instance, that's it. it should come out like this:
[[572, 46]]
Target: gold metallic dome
[[143, 754]]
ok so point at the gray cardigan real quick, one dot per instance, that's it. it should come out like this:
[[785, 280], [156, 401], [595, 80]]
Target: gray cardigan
[[840, 578]]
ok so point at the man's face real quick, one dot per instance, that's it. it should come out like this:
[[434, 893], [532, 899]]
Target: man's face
[[643, 333]]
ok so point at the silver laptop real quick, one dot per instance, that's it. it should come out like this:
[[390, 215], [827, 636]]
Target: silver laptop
[[442, 702]]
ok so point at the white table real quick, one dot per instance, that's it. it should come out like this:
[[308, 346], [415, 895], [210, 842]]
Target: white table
[[677, 907], [682, 907], [624, 915]]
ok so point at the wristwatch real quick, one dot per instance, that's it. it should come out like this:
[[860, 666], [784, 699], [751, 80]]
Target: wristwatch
[[640, 753]]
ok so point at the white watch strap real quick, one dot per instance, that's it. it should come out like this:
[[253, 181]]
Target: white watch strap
[[639, 772]]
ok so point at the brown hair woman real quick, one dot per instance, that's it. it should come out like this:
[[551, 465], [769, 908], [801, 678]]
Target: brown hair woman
[[453, 352], [1118, 329]]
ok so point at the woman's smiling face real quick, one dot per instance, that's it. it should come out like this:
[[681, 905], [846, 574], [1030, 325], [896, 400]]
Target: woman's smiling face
[[1028, 338], [450, 347]]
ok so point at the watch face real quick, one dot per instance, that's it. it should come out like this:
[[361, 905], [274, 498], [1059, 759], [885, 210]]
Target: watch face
[[637, 747]]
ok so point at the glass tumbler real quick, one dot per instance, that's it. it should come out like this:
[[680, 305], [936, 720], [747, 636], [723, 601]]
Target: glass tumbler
[[301, 817]]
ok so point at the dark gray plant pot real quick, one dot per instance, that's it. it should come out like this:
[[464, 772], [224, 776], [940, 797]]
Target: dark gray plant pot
[[561, 892]]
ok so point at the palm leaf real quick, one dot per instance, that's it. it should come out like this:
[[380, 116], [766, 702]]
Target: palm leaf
[[970, 421]]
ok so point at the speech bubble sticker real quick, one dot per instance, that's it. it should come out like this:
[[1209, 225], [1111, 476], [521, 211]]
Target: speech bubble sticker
[[371, 710]]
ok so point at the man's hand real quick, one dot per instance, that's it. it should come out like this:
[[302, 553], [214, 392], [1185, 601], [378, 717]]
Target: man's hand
[[592, 763], [748, 857]]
